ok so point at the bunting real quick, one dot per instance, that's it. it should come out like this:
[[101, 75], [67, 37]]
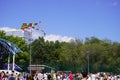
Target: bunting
[[30, 27], [27, 25]]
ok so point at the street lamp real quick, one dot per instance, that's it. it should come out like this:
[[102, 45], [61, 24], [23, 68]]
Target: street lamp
[[30, 54], [28, 38]]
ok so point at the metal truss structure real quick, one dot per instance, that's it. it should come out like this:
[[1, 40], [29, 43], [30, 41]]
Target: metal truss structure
[[8, 48]]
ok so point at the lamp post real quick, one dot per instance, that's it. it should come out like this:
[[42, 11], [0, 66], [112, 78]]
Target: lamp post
[[88, 61], [28, 38], [88, 64], [30, 54]]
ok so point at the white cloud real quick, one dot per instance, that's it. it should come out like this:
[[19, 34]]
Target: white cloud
[[35, 35], [7, 29], [13, 31], [52, 37], [60, 38]]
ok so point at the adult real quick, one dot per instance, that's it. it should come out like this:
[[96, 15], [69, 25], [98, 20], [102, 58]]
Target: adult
[[70, 76], [2, 75], [84, 75]]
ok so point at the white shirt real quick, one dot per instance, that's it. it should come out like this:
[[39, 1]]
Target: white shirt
[[40, 76]]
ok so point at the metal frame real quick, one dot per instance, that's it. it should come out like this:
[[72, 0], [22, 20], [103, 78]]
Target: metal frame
[[8, 48]]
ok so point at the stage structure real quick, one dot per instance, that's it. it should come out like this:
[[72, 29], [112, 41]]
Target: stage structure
[[8, 48], [40, 67], [28, 29]]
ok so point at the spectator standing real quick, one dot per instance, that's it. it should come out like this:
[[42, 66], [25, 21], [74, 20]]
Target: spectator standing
[[84, 75], [2, 75], [12, 77], [70, 76]]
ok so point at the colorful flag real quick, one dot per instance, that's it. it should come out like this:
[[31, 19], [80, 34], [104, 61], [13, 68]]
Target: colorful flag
[[32, 24], [24, 26], [30, 27], [36, 24]]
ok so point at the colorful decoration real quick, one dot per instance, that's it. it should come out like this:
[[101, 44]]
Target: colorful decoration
[[30, 27], [27, 25]]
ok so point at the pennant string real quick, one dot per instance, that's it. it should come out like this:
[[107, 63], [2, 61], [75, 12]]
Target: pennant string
[[30, 27]]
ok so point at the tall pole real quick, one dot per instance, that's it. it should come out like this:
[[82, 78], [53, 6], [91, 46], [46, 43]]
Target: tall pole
[[30, 39], [88, 63], [30, 56]]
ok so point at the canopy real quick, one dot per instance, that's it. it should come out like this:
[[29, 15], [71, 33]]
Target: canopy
[[7, 47], [16, 67]]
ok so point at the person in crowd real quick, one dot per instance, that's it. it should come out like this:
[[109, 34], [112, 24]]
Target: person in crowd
[[84, 75], [45, 76], [2, 75], [23, 76], [49, 76], [18, 77], [29, 77], [70, 76], [54, 76], [106, 77], [35, 76], [40, 75], [12, 77], [58, 76], [89, 76], [7, 75]]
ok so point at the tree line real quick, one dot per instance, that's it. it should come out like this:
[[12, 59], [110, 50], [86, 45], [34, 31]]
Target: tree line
[[92, 54]]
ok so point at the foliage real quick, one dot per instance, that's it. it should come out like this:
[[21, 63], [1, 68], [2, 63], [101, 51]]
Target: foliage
[[22, 57], [103, 55]]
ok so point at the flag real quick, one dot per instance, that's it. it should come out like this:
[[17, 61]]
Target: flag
[[36, 24], [24, 26], [30, 27], [30, 24], [44, 33]]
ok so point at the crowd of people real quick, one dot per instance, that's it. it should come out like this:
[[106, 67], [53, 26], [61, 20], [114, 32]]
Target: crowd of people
[[38, 75]]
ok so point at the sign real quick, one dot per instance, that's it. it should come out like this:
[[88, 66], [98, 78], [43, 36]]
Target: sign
[[35, 68]]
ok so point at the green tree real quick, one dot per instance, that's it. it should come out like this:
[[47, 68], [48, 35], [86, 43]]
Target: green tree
[[22, 57]]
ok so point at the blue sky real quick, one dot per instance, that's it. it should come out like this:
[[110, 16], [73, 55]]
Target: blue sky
[[73, 18]]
